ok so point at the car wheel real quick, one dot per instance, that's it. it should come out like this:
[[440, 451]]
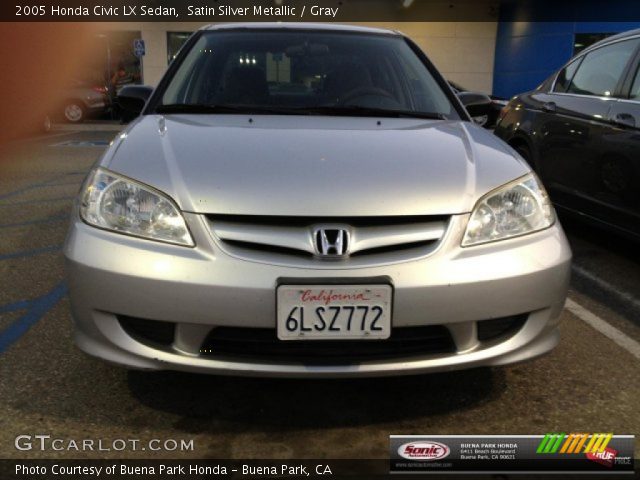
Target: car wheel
[[73, 112], [481, 120]]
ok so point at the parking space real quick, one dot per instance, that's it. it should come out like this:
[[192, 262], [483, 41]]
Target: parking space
[[591, 382]]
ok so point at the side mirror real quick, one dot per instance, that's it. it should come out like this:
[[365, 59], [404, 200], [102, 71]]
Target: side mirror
[[477, 104], [132, 98]]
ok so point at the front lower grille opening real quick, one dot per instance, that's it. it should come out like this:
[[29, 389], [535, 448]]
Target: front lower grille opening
[[152, 333], [500, 328], [263, 343]]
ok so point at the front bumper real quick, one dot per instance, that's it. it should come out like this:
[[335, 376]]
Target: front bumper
[[201, 288]]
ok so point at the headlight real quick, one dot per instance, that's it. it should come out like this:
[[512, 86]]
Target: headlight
[[125, 206], [518, 208]]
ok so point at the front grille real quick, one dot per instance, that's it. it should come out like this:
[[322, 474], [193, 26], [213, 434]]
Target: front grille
[[388, 238], [302, 221], [258, 342]]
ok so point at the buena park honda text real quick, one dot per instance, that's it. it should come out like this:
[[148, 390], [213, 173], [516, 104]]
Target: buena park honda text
[[312, 200]]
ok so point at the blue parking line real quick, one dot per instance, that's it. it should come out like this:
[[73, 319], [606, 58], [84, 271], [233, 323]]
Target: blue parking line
[[37, 309], [57, 218], [17, 192], [29, 253], [44, 200], [12, 307], [46, 183], [64, 184], [29, 187]]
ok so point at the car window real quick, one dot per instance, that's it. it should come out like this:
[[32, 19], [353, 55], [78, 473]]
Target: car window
[[601, 69], [294, 69], [635, 87], [566, 75]]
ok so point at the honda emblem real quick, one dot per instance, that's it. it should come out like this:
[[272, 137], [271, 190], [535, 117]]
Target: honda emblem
[[331, 242]]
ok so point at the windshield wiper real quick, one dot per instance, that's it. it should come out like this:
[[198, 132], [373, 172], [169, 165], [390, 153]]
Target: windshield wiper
[[222, 108], [358, 111]]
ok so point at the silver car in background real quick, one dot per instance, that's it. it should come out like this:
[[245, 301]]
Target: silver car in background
[[311, 200], [81, 99]]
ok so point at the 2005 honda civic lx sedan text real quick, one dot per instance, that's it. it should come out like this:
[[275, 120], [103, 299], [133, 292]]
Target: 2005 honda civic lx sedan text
[[311, 200]]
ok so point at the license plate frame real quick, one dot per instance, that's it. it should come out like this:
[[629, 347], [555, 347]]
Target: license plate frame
[[349, 312]]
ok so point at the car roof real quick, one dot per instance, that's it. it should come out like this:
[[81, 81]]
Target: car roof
[[299, 26], [612, 38], [550, 81]]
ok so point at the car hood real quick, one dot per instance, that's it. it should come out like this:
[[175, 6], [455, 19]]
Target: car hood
[[314, 165]]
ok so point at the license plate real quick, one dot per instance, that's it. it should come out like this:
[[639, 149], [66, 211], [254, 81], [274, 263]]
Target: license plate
[[334, 312]]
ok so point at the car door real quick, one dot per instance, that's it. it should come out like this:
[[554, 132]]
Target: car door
[[618, 188], [573, 121]]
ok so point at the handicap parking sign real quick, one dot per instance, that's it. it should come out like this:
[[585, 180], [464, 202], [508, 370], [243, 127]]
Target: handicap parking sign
[[138, 47]]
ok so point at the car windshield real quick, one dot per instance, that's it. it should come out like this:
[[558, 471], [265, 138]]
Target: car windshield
[[304, 72]]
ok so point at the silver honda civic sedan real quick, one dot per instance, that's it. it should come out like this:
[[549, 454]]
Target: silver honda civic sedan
[[311, 200]]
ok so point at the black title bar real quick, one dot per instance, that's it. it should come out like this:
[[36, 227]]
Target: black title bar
[[212, 11]]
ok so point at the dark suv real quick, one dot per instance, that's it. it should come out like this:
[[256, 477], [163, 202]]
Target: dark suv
[[580, 130]]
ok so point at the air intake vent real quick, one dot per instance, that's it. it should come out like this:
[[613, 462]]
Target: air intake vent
[[263, 343]]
